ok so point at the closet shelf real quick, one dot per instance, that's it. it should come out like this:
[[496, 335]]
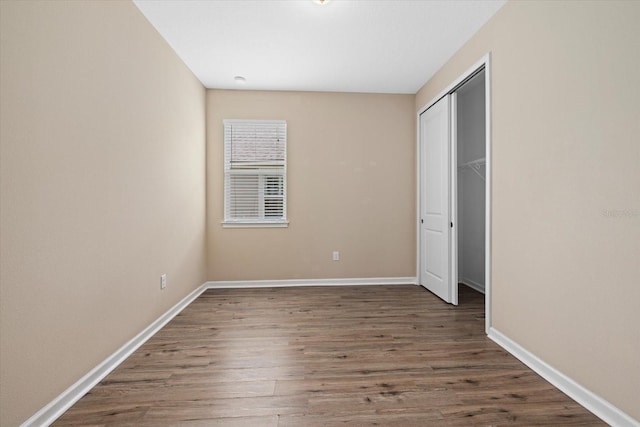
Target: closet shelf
[[477, 162], [474, 165]]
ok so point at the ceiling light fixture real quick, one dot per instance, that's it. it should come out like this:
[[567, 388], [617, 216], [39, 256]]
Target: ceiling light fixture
[[240, 80], [321, 1]]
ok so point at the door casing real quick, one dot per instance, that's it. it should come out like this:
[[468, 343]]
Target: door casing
[[483, 63]]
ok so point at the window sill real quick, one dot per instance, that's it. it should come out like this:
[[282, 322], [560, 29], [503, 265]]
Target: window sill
[[255, 224]]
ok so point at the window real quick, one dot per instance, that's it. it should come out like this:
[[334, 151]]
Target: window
[[255, 173]]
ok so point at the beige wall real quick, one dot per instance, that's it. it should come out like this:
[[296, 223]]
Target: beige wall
[[566, 185], [102, 190], [351, 187]]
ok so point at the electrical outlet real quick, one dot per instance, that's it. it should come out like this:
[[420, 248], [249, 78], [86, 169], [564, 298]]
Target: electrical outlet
[[336, 255], [163, 281]]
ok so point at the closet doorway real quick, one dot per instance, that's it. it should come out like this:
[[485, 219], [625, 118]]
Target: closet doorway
[[454, 189]]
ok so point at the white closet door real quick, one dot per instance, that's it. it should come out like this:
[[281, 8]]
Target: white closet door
[[435, 176]]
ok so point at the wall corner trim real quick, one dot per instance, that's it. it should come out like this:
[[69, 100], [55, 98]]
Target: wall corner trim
[[54, 409], [594, 403], [312, 282]]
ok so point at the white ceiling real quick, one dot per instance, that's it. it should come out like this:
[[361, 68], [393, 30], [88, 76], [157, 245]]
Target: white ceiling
[[380, 46]]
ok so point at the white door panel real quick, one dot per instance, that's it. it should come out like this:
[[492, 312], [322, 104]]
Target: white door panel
[[435, 169], [434, 263]]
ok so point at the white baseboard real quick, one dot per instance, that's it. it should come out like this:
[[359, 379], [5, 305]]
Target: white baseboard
[[311, 282], [594, 403], [48, 414], [471, 284], [66, 399]]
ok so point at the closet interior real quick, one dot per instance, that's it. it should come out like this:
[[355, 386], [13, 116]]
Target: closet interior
[[471, 181]]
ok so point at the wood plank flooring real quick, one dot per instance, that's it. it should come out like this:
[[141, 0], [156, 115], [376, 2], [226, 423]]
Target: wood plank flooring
[[325, 356]]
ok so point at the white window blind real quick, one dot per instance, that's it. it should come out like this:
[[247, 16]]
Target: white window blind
[[255, 172]]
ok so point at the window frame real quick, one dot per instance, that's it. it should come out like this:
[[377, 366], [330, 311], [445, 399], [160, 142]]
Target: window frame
[[264, 172]]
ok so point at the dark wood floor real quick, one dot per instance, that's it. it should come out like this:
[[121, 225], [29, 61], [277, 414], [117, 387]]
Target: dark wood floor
[[323, 356]]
